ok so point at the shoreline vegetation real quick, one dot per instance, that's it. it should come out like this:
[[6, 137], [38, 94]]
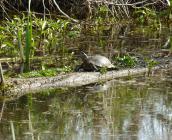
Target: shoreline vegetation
[[80, 9], [36, 27]]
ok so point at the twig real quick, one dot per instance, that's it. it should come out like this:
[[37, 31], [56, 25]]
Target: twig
[[29, 6], [45, 8], [3, 8], [74, 20]]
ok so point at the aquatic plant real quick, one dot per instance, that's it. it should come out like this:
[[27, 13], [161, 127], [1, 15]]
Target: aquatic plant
[[103, 70], [35, 35], [125, 61], [145, 16], [150, 64]]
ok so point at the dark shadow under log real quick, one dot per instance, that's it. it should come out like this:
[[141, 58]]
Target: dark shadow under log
[[19, 87]]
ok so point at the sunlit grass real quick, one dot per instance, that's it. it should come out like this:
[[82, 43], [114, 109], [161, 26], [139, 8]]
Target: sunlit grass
[[33, 34]]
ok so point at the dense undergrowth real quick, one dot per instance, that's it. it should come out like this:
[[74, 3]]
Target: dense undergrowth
[[28, 37]]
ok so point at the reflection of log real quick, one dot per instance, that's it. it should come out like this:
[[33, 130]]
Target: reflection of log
[[20, 87]]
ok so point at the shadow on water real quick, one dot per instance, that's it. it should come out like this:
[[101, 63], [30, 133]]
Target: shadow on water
[[139, 108]]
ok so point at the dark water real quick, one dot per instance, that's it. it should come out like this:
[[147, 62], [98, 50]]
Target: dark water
[[135, 109]]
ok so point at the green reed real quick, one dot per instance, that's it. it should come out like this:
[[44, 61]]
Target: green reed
[[28, 40], [19, 35]]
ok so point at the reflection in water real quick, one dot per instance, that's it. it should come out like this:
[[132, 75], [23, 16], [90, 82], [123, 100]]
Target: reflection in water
[[139, 108]]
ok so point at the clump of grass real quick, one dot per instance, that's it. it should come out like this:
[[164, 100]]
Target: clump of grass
[[25, 36], [125, 61], [103, 70], [46, 73], [150, 64], [146, 16]]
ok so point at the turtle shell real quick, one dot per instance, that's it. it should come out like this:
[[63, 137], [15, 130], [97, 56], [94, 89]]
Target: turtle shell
[[100, 61]]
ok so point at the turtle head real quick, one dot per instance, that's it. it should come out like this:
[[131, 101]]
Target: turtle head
[[83, 56]]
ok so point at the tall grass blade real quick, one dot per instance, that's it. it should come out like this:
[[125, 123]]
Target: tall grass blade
[[28, 43], [28, 40], [20, 46]]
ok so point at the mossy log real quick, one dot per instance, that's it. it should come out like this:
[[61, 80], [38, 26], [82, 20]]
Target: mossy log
[[18, 87]]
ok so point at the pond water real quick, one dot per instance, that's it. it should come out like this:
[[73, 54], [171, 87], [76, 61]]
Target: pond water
[[138, 108], [135, 108]]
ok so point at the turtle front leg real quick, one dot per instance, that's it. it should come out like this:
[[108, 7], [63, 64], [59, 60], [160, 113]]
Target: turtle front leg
[[95, 68]]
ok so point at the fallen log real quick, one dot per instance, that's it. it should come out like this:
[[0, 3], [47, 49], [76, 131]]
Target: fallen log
[[18, 87]]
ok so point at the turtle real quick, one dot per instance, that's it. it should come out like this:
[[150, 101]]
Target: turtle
[[95, 62]]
